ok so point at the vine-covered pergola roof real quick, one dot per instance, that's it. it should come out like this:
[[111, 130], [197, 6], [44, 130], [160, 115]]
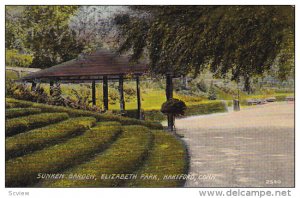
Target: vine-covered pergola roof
[[89, 67]]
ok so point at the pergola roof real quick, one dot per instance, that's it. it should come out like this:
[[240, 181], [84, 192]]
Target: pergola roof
[[90, 67]]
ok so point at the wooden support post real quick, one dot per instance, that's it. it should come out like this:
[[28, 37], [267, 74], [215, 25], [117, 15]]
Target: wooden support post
[[94, 92], [121, 91], [105, 93], [33, 86], [51, 87], [169, 95], [138, 95]]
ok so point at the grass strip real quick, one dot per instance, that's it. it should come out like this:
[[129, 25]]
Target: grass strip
[[18, 112], [168, 157], [27, 142], [21, 124], [23, 171], [123, 157]]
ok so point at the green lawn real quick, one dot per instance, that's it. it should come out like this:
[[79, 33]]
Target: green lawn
[[84, 142]]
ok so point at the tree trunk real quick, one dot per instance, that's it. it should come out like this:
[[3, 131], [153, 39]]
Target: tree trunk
[[169, 95]]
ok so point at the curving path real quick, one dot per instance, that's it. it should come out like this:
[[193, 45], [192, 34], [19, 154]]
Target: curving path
[[250, 148]]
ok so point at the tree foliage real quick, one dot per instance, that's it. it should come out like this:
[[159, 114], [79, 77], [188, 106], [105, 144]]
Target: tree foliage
[[239, 41], [49, 36]]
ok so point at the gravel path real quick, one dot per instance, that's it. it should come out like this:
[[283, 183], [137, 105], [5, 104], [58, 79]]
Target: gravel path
[[250, 148]]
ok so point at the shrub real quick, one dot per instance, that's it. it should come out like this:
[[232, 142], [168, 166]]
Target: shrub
[[24, 171], [45, 136], [18, 125], [124, 156], [168, 156], [17, 112], [15, 59], [173, 106]]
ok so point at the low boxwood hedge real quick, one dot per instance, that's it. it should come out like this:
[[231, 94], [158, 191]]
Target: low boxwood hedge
[[123, 157], [42, 137], [168, 156], [21, 124], [23, 171], [196, 109], [17, 112]]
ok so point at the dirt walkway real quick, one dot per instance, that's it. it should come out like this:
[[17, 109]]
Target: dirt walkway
[[250, 148]]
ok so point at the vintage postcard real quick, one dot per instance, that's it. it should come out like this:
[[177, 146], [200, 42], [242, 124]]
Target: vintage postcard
[[149, 96]]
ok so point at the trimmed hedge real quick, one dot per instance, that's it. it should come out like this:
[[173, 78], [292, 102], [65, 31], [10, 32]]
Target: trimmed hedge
[[23, 171], [206, 108], [9, 105], [197, 109], [21, 124], [42, 137], [17, 112], [124, 156], [98, 116], [168, 156]]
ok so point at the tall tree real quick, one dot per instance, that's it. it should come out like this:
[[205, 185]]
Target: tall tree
[[49, 36], [242, 41]]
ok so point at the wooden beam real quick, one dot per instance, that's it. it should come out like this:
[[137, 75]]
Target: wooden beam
[[94, 92], [138, 95], [51, 87], [105, 93], [121, 92], [33, 86]]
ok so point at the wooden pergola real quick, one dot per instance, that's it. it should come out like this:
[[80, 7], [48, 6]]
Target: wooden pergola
[[102, 66]]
